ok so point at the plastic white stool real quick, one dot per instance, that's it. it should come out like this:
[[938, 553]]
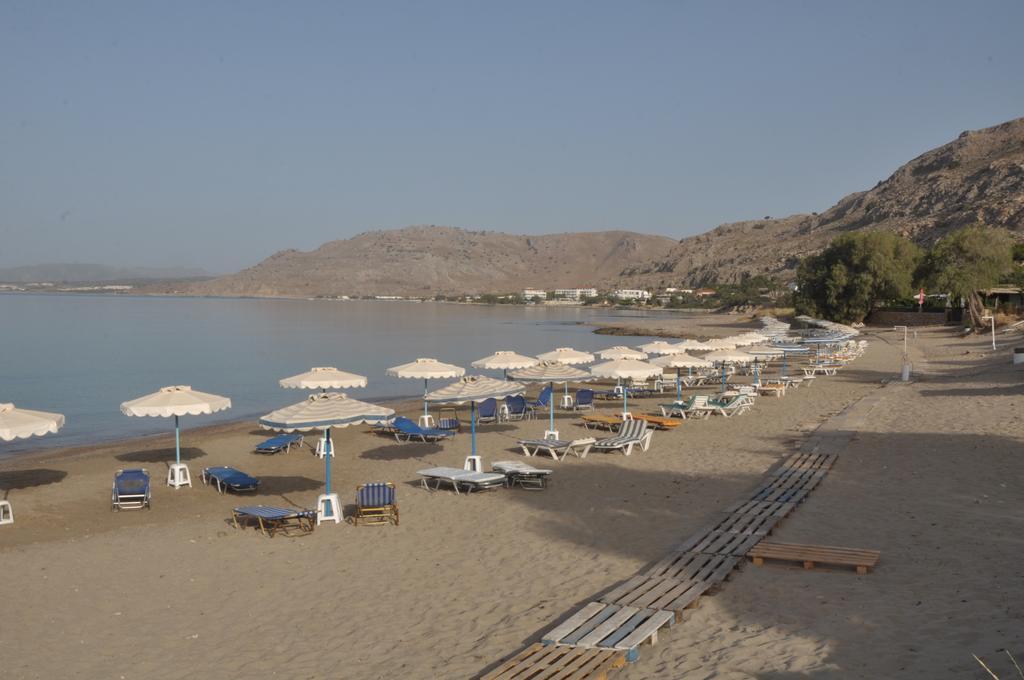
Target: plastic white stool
[[321, 448], [550, 434], [426, 420], [473, 464], [178, 476], [6, 513], [566, 401], [328, 507], [628, 415]]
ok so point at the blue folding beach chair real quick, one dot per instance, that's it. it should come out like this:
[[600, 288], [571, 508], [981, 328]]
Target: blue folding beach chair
[[517, 407], [130, 490], [280, 443], [406, 430], [230, 479], [487, 411], [584, 400], [543, 399], [376, 504]]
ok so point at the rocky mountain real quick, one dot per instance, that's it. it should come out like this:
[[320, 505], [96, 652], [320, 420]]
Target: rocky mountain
[[978, 177], [426, 260]]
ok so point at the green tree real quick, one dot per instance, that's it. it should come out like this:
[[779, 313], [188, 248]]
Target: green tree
[[854, 273], [968, 260]]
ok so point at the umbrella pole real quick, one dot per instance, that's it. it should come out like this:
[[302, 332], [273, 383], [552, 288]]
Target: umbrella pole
[[177, 442], [723, 376], [679, 386], [625, 402], [472, 424], [328, 446], [425, 397], [551, 404]]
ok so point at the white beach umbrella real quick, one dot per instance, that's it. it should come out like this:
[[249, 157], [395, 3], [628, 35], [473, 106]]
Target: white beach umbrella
[[21, 423], [621, 352], [719, 343], [552, 372], [692, 345], [567, 355], [679, 361], [505, 360], [323, 411], [658, 347], [424, 369], [627, 369], [323, 378], [176, 401], [474, 389], [723, 357]]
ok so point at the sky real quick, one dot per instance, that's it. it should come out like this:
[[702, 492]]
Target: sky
[[213, 134]]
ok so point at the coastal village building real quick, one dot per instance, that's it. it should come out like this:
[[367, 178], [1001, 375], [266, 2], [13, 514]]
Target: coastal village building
[[576, 293], [631, 294], [529, 293], [705, 292]]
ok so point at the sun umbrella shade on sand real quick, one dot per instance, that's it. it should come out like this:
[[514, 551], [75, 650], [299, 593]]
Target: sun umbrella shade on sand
[[552, 372], [680, 361], [176, 401], [474, 389], [323, 378], [21, 423], [425, 369], [658, 347], [626, 369], [505, 360], [621, 352], [324, 411]]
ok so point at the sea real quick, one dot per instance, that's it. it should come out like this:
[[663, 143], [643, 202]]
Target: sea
[[83, 355]]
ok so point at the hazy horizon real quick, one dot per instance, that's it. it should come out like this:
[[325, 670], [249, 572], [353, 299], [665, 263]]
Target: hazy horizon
[[190, 135]]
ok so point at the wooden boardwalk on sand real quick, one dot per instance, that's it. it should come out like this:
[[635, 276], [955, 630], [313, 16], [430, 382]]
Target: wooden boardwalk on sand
[[604, 634]]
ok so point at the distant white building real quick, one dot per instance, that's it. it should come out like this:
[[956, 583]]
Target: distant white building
[[631, 294], [529, 293], [576, 293]]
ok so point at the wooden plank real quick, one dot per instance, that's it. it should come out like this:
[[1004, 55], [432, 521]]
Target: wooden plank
[[627, 628], [594, 637], [647, 630], [570, 660], [625, 588], [589, 625], [515, 665], [816, 553], [597, 665], [572, 623]]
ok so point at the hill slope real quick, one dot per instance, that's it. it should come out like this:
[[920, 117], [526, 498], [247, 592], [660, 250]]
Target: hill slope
[[979, 177], [427, 260]]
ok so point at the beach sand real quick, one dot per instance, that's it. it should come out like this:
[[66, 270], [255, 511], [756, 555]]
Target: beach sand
[[932, 479]]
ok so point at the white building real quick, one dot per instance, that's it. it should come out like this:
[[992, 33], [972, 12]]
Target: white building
[[576, 293], [631, 294], [529, 293]]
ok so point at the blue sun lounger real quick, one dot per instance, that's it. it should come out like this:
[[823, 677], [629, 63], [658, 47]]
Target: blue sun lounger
[[230, 479], [270, 519], [130, 490], [406, 430], [280, 443], [376, 504]]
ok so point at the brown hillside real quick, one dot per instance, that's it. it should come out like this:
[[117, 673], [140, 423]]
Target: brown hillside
[[977, 177], [428, 260]]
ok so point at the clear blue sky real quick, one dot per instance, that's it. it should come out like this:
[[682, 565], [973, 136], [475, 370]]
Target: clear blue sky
[[213, 134]]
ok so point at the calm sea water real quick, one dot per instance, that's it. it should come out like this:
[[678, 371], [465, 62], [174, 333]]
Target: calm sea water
[[83, 355]]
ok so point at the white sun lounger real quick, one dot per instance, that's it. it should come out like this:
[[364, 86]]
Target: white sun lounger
[[523, 474], [469, 481], [557, 448]]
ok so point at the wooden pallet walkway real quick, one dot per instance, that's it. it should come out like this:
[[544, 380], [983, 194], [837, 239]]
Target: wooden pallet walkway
[[605, 634], [813, 555], [541, 662]]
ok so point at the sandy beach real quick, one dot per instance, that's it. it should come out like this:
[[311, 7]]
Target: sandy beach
[[931, 478]]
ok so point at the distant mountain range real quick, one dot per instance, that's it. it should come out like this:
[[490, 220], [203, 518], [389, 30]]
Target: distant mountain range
[[977, 177], [93, 273]]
